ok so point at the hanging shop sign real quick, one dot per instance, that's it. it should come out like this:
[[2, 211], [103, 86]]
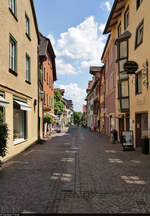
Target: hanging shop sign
[[130, 67], [127, 140]]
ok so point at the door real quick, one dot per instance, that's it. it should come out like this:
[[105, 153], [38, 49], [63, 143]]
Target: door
[[138, 129]]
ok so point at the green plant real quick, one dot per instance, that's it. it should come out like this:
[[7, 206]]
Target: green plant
[[48, 119], [3, 138]]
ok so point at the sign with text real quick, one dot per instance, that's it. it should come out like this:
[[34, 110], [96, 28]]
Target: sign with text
[[127, 140]]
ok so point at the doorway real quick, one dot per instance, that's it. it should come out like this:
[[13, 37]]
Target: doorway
[[141, 129]]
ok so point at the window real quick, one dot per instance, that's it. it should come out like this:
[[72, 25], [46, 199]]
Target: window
[[19, 121], [44, 98], [139, 34], [28, 75], [123, 51], [47, 78], [12, 54], [124, 88], [49, 81], [27, 25], [12, 7], [119, 30], [47, 99], [19, 125], [138, 83], [124, 104], [126, 18], [138, 3], [44, 74], [1, 107]]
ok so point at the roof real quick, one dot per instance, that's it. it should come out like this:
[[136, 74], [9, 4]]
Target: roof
[[44, 47], [116, 10], [35, 20], [67, 102], [105, 46]]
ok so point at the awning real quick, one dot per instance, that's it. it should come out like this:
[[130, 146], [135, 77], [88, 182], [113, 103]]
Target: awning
[[3, 102], [23, 106]]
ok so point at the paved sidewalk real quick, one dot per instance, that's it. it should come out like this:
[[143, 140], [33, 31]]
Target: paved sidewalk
[[76, 171]]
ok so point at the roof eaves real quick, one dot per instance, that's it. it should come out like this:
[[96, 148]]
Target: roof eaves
[[35, 20]]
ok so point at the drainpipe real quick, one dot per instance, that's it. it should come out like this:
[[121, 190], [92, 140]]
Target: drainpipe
[[38, 94]]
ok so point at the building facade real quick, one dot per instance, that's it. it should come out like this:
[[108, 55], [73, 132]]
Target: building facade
[[48, 71], [108, 58], [19, 73], [128, 24]]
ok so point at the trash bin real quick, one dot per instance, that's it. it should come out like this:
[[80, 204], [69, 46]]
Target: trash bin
[[145, 146]]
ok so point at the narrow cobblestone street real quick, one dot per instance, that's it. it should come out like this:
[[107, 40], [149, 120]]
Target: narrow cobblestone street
[[77, 171]]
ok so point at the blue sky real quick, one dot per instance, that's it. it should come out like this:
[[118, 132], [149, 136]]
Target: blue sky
[[75, 29]]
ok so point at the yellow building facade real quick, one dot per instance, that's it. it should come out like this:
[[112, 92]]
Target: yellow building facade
[[19, 73], [128, 24]]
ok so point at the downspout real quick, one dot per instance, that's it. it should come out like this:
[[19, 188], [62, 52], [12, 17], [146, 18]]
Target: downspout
[[104, 100], [38, 94]]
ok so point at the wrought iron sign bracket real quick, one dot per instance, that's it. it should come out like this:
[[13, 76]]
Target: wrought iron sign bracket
[[145, 74]]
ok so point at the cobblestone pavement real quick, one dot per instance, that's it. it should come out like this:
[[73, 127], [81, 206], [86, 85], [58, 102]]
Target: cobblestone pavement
[[76, 172]]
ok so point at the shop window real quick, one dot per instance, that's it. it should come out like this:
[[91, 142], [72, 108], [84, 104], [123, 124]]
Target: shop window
[[20, 120], [126, 18], [138, 3], [139, 34], [138, 83], [12, 55]]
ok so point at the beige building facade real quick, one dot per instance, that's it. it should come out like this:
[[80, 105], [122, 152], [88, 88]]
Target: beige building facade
[[128, 24], [19, 73]]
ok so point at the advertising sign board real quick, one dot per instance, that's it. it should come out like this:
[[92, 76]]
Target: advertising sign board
[[127, 140]]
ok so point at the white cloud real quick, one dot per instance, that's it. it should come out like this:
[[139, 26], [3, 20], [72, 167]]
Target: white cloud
[[81, 45], [76, 94], [107, 4], [51, 37], [101, 27], [64, 68]]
